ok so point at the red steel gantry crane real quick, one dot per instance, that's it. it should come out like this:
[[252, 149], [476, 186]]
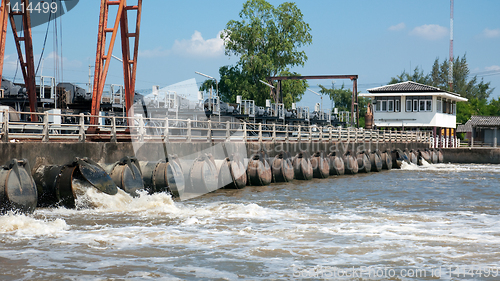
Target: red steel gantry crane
[[103, 56], [26, 60]]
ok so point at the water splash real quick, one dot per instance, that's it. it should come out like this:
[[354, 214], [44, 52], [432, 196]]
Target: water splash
[[89, 197], [408, 166], [22, 225]]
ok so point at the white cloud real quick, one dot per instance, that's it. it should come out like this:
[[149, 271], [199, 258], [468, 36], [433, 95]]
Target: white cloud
[[492, 68], [491, 33], [430, 31], [10, 63], [155, 53], [199, 47], [49, 61], [397, 27]]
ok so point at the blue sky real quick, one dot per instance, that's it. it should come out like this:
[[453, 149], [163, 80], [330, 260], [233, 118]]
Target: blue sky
[[374, 39]]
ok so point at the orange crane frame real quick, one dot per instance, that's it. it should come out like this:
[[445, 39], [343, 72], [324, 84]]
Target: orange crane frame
[[103, 56], [27, 62]]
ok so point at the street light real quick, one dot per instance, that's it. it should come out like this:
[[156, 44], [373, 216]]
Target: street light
[[267, 84], [276, 99], [210, 77], [321, 96]]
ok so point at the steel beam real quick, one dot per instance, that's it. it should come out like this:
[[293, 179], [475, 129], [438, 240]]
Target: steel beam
[[103, 55], [353, 78], [26, 59], [3, 32]]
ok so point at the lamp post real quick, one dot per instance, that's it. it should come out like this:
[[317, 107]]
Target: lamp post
[[210, 77], [267, 84], [272, 87], [321, 96], [216, 90]]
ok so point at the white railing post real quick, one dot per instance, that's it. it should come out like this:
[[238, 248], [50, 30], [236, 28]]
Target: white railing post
[[286, 133], [189, 130], [310, 133], [260, 132], [81, 128], [228, 131], [45, 130], [274, 132], [166, 131], [209, 131], [244, 132], [141, 128], [5, 126], [299, 135], [113, 129], [330, 136]]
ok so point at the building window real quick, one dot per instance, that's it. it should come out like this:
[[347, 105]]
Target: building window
[[408, 105], [422, 105], [439, 105], [415, 105], [387, 104], [428, 105], [446, 106]]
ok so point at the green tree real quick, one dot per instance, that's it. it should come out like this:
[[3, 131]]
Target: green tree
[[292, 89], [438, 77], [208, 85], [268, 42], [342, 98], [494, 107], [476, 91], [417, 76]]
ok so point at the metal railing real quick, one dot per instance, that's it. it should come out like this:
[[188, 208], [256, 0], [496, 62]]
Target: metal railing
[[76, 128]]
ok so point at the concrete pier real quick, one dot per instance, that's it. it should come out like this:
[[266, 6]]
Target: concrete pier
[[469, 155], [57, 153]]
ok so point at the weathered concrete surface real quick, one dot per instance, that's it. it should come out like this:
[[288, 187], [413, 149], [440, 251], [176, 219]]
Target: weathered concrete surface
[[476, 155], [55, 153]]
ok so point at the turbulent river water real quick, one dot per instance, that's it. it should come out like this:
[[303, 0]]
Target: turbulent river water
[[402, 224]]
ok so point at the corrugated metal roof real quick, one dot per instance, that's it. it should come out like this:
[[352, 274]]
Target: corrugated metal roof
[[408, 87], [479, 121], [465, 128], [486, 121]]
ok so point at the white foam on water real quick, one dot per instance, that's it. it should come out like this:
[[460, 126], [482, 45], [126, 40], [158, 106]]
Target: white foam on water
[[20, 226], [89, 197], [448, 167], [194, 239], [408, 166]]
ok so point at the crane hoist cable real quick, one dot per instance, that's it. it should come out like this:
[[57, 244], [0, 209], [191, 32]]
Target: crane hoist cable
[[44, 43]]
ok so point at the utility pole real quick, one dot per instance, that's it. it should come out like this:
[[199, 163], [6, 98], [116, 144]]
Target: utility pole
[[450, 71]]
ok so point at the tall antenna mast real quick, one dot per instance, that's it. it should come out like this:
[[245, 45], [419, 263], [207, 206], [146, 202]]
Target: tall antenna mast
[[450, 71]]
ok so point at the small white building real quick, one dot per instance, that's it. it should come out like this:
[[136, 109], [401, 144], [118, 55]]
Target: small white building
[[411, 105]]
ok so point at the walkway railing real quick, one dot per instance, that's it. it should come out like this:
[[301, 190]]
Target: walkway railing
[[68, 127]]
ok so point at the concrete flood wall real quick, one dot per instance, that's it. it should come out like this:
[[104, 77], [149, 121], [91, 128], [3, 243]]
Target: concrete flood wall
[[468, 155], [54, 153]]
